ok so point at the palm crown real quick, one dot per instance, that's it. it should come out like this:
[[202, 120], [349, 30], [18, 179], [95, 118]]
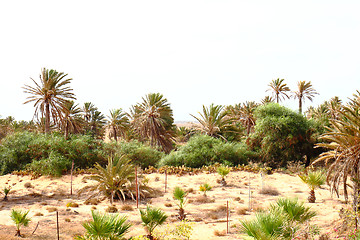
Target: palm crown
[[279, 89]]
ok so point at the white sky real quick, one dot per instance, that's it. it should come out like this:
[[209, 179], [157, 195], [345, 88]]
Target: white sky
[[193, 52]]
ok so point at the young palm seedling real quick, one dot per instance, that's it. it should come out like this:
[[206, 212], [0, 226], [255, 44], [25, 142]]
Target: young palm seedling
[[20, 218], [180, 195], [6, 193], [204, 188], [151, 218], [314, 179], [107, 226], [223, 171]]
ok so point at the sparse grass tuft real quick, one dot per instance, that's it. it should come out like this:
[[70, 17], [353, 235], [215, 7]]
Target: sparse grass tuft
[[126, 207], [51, 209], [111, 209], [267, 190], [72, 204], [219, 233], [28, 185]]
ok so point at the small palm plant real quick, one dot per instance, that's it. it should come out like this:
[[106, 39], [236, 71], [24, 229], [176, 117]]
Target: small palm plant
[[223, 171], [204, 188], [151, 218], [180, 195], [6, 193], [314, 179], [20, 218], [105, 227]]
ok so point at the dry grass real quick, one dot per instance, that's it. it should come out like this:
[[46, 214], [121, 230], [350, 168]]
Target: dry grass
[[92, 201], [241, 211], [28, 185], [111, 209], [51, 209], [38, 214], [204, 199], [168, 205], [72, 204], [219, 233], [218, 212], [126, 207], [267, 190]]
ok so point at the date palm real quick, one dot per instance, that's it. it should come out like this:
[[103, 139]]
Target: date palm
[[279, 89], [153, 121], [305, 90], [266, 100], [118, 123], [214, 120], [71, 120], [247, 115], [343, 143], [50, 95], [180, 195]]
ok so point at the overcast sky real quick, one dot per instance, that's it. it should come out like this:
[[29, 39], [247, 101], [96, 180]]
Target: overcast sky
[[193, 52]]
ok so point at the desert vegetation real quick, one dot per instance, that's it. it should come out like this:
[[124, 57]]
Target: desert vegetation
[[127, 157]]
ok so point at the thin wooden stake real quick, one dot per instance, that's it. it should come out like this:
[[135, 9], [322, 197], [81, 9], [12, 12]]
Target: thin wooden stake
[[165, 179], [35, 228], [249, 194], [137, 190], [227, 217], [57, 225], [71, 181]]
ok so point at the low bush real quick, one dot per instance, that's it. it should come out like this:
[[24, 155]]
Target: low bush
[[203, 150], [139, 153]]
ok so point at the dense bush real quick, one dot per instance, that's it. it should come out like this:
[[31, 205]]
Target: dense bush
[[281, 135], [49, 153], [205, 150], [139, 153]]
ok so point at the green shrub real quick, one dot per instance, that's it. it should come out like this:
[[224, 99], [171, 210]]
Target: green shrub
[[23, 149], [139, 153], [205, 150], [281, 135]]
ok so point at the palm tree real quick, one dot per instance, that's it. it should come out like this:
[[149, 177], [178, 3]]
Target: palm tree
[[205, 187], [266, 100], [118, 122], [180, 195], [279, 89], [20, 218], [314, 179], [343, 142], [214, 120], [115, 179], [71, 120], [152, 218], [293, 210], [247, 115], [105, 227], [153, 120], [50, 95], [334, 106], [223, 171], [305, 90]]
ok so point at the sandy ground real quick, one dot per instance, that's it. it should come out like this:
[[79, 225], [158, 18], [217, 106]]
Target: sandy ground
[[48, 194]]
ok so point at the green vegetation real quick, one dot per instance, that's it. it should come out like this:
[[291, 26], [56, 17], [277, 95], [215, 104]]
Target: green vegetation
[[20, 219], [203, 150], [314, 179], [180, 195], [204, 188], [6, 192], [223, 171], [152, 218], [284, 220], [106, 226], [281, 135]]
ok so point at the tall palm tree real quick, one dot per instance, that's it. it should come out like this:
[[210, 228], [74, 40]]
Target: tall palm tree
[[118, 123], [71, 120], [279, 89], [87, 110], [247, 115], [334, 106], [153, 121], [343, 142], [94, 120], [305, 90], [50, 95], [214, 120]]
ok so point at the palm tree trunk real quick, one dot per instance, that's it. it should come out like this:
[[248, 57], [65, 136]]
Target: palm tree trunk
[[277, 98], [47, 117], [312, 197], [300, 105], [115, 133]]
